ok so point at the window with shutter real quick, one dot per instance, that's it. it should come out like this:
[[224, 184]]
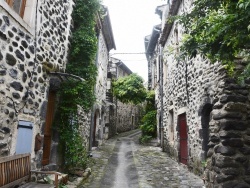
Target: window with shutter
[[24, 137], [18, 6]]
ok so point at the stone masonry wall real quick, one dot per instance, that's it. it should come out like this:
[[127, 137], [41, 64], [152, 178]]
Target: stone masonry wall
[[124, 117], [204, 92], [101, 88], [84, 119], [24, 81], [229, 154]]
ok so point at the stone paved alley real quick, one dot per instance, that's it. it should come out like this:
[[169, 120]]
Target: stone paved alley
[[122, 163]]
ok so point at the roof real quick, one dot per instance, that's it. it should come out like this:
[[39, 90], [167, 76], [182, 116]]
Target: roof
[[107, 28], [121, 65], [151, 40], [173, 10]]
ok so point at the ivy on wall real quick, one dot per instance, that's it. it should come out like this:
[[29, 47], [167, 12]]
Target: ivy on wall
[[73, 93]]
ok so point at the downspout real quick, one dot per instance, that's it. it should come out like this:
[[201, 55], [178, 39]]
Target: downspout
[[93, 107], [161, 98]]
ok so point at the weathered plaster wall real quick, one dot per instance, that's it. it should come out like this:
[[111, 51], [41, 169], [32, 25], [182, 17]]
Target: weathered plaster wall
[[24, 81]]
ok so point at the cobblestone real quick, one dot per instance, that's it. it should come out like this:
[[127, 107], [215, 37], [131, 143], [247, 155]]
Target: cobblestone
[[154, 168]]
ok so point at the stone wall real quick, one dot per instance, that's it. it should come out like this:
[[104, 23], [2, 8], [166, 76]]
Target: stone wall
[[217, 116], [229, 147], [100, 90], [84, 119], [25, 58], [128, 117]]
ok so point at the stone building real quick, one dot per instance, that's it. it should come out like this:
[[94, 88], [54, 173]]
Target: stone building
[[34, 39], [203, 115], [106, 42], [127, 116]]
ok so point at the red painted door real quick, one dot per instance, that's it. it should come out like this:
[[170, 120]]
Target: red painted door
[[183, 139]]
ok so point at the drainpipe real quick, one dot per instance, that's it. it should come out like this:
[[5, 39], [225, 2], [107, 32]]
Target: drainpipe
[[93, 108], [161, 98]]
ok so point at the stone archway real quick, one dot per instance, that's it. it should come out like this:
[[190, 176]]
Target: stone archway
[[96, 124], [205, 119]]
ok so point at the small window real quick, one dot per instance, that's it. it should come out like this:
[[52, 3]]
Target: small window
[[18, 6], [171, 126], [24, 137]]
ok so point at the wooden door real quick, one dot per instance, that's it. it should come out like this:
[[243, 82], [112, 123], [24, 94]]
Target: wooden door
[[47, 130], [183, 139]]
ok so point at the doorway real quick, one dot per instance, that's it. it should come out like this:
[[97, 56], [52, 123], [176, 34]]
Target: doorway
[[48, 125], [96, 123], [183, 139], [205, 119]]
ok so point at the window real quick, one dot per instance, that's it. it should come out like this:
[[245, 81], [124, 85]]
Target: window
[[171, 126], [24, 137], [17, 5], [177, 39]]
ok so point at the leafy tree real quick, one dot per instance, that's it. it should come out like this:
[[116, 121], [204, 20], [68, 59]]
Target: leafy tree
[[219, 30], [130, 89]]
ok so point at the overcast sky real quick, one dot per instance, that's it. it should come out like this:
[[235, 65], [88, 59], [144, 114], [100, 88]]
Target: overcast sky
[[131, 21]]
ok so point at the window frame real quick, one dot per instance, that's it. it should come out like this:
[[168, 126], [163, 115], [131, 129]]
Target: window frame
[[22, 7]]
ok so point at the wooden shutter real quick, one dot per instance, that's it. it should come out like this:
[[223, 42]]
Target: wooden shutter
[[24, 137], [19, 8]]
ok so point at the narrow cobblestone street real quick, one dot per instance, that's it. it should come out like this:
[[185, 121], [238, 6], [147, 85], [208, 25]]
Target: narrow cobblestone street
[[122, 163]]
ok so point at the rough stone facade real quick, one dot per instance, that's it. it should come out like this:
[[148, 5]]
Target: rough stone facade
[[127, 115], [203, 106], [100, 90], [84, 119], [100, 129], [30, 48]]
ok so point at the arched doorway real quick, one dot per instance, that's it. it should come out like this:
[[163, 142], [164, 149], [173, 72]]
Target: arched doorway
[[96, 123], [205, 119]]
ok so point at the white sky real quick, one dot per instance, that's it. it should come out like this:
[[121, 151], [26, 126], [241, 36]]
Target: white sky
[[131, 21]]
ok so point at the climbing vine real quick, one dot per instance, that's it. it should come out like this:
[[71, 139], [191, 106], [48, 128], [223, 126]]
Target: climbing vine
[[74, 93]]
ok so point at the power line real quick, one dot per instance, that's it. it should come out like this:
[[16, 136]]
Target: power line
[[129, 53], [134, 59]]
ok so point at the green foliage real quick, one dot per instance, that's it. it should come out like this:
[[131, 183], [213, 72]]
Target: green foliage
[[219, 30], [148, 126], [144, 139], [75, 93], [130, 89], [150, 101]]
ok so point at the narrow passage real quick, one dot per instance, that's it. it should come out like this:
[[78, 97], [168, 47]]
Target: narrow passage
[[121, 171]]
